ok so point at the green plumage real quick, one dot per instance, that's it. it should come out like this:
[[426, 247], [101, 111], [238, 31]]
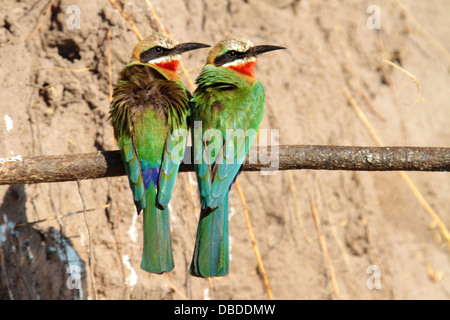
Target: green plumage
[[232, 104], [146, 109]]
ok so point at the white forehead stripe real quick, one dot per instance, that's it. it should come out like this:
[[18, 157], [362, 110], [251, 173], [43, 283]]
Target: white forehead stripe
[[239, 45], [164, 42]]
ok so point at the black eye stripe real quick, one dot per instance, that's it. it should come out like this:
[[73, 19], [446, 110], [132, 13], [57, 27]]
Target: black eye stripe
[[229, 56], [153, 53]]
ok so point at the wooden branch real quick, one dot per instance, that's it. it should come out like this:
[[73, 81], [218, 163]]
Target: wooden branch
[[71, 167]]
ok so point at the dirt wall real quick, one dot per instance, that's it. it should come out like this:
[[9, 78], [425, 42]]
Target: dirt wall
[[55, 90]]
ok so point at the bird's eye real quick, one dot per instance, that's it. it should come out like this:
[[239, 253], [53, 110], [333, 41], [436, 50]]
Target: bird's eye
[[158, 49], [232, 53]]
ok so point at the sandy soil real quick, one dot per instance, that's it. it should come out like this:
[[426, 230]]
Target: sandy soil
[[55, 100]]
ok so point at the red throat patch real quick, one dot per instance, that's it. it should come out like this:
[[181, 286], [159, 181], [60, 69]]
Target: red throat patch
[[172, 65], [247, 68]]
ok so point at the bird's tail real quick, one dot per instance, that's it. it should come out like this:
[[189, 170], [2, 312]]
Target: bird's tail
[[157, 256], [211, 252]]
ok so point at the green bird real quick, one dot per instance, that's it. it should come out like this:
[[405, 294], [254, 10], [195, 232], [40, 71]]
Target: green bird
[[227, 112], [149, 111]]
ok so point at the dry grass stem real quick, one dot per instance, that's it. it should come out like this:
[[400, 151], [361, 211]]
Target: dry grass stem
[[126, 17], [39, 25], [175, 289], [298, 211], [62, 69], [254, 244], [409, 74], [442, 227], [323, 245], [90, 260]]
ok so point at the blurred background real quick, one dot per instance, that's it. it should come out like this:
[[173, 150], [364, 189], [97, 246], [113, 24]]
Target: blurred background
[[356, 73]]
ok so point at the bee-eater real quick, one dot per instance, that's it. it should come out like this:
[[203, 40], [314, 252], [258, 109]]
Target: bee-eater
[[149, 112], [228, 110]]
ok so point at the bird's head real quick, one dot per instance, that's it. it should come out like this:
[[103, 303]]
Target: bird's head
[[162, 51], [238, 54]]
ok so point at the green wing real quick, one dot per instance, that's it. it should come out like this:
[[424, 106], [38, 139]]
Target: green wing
[[133, 169], [216, 175], [123, 131], [173, 155]]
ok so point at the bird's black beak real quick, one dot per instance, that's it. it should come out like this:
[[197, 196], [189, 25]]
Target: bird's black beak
[[188, 46], [256, 50]]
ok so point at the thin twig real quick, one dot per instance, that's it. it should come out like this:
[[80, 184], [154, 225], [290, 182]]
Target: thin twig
[[155, 16], [5, 275], [324, 246], [62, 69], [253, 239], [175, 289], [297, 206], [425, 32], [90, 260], [126, 17], [334, 230], [370, 104], [23, 224], [108, 58], [211, 287], [442, 227], [409, 74], [374, 253], [362, 117], [47, 11]]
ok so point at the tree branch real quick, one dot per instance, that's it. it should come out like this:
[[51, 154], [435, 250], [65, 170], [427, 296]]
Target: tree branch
[[71, 167]]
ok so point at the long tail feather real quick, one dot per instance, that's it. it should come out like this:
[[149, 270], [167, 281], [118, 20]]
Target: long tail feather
[[157, 256], [211, 252]]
